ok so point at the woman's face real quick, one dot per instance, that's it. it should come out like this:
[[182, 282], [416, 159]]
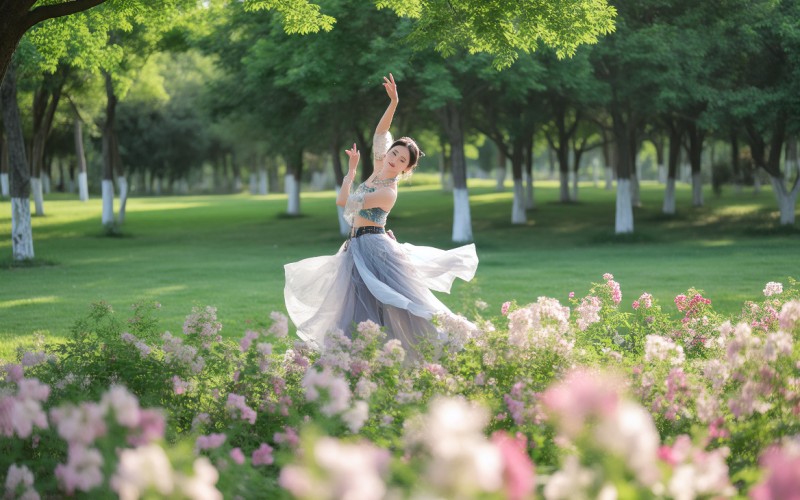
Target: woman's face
[[396, 161]]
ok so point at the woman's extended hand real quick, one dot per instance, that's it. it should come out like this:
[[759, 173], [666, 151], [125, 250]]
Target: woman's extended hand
[[391, 88], [353, 164]]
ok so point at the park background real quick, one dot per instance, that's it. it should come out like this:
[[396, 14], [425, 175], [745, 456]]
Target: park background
[[183, 154]]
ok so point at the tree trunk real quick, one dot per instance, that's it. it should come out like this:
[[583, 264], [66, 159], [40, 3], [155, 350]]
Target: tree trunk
[[624, 214], [518, 207], [445, 166], [44, 109], [624, 209], [122, 181], [662, 170], [792, 159], [462, 219], [669, 197], [21, 232], [38, 195], [83, 181], [672, 169], [736, 167], [609, 161], [501, 171], [786, 200], [263, 181], [563, 169], [530, 202], [108, 155], [695, 160], [636, 200], [4, 192], [697, 189], [294, 164]]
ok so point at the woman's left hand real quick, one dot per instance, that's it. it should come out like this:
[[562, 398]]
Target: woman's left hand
[[354, 157], [391, 88]]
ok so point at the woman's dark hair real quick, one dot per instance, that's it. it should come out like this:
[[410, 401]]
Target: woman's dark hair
[[414, 152]]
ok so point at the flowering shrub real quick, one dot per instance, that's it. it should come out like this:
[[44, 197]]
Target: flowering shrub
[[598, 398]]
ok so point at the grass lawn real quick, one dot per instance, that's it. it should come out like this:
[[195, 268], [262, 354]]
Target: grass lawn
[[229, 252]]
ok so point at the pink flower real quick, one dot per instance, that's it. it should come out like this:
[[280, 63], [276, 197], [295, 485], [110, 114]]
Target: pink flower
[[782, 479], [14, 373], [237, 402], [237, 455], [518, 469], [210, 442], [280, 325], [635, 304], [247, 340], [581, 394], [82, 470], [504, 308], [608, 276], [572, 295], [151, 427], [288, 436], [263, 455]]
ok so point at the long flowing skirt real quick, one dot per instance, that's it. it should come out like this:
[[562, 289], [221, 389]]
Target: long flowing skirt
[[373, 277]]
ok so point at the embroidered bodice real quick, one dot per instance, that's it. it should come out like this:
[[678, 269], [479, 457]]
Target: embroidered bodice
[[355, 204], [375, 214]]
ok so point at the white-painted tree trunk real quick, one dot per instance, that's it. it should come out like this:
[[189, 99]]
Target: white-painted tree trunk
[[253, 183], [500, 177], [83, 186], [609, 178], [563, 184], [662, 174], [574, 194], [530, 201], [518, 206], [293, 195], [756, 183], [46, 185], [462, 219], [635, 199], [624, 218], [447, 181], [122, 184], [38, 197], [697, 189], [595, 175], [263, 184], [669, 197], [686, 172], [21, 231], [786, 200], [4, 185], [108, 202], [344, 227]]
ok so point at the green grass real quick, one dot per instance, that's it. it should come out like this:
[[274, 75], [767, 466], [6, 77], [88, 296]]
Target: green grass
[[229, 252]]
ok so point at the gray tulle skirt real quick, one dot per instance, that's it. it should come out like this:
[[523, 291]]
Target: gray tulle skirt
[[373, 277]]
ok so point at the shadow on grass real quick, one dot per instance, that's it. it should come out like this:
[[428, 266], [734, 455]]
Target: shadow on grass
[[11, 264], [640, 237]]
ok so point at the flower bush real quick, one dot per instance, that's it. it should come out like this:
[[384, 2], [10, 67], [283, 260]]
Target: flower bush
[[596, 398]]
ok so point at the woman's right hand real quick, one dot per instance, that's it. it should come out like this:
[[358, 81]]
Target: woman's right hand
[[391, 88], [353, 163]]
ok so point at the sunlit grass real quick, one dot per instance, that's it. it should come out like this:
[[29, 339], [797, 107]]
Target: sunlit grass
[[229, 251]]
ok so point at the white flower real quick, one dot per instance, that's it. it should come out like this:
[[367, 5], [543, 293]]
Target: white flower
[[631, 433], [124, 404], [356, 416], [141, 469]]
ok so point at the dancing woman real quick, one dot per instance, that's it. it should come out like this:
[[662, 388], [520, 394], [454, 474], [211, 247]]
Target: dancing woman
[[372, 277]]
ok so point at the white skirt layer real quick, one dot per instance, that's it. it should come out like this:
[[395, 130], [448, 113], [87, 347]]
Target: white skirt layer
[[374, 278]]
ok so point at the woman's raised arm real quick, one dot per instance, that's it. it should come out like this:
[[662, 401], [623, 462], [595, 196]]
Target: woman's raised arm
[[388, 115]]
